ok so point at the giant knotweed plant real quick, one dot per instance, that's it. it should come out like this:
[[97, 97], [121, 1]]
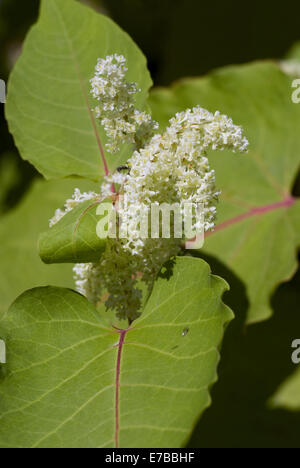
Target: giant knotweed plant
[[118, 344], [168, 168]]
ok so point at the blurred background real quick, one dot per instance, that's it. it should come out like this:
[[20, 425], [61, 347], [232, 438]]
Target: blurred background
[[189, 38]]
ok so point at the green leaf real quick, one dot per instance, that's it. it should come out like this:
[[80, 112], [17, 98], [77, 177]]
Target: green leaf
[[257, 235], [9, 177], [255, 361], [20, 266], [288, 396], [74, 238], [142, 387], [294, 53], [49, 109]]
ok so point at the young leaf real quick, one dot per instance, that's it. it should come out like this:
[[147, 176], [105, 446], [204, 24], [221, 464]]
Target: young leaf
[[74, 238], [141, 387], [257, 234], [20, 266], [48, 105]]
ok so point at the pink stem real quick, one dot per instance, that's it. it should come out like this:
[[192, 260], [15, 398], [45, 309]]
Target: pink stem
[[118, 371], [260, 210]]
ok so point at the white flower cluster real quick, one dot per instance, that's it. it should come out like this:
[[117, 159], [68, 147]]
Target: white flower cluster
[[110, 181], [119, 274], [71, 203], [174, 168], [290, 67], [113, 275], [171, 168], [116, 110], [88, 280]]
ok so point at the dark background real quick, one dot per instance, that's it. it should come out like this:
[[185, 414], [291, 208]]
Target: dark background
[[186, 38]]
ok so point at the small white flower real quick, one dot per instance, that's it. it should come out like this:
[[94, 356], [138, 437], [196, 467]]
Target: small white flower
[[116, 111], [170, 168], [174, 168], [106, 189], [71, 203]]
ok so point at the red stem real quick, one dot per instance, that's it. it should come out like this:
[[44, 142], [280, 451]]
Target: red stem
[[118, 371], [260, 210]]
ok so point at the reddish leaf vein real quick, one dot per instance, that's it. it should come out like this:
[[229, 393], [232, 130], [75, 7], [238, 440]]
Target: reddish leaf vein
[[257, 211], [118, 371]]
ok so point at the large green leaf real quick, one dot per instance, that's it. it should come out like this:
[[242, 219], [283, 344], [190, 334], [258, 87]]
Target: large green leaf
[[48, 105], [258, 229], [20, 266], [255, 362], [74, 238], [141, 387]]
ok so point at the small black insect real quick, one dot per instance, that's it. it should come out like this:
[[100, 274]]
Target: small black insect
[[185, 332], [123, 168]]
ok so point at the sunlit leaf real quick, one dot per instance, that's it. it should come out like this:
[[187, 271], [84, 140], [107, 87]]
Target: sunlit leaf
[[75, 239], [70, 381], [49, 109]]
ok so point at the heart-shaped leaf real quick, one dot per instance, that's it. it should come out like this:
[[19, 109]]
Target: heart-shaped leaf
[[141, 387], [49, 110], [258, 230], [74, 239]]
